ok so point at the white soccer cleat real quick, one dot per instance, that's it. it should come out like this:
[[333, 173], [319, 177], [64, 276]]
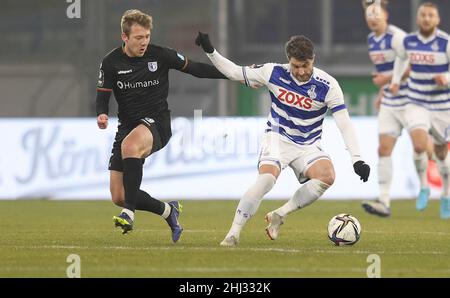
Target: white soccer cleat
[[231, 241], [275, 221], [377, 208]]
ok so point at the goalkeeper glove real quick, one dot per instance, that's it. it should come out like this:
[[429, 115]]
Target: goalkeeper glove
[[362, 170], [203, 41]]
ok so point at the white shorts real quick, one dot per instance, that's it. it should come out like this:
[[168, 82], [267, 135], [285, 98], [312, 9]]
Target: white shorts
[[278, 151], [440, 127], [391, 121], [417, 117]]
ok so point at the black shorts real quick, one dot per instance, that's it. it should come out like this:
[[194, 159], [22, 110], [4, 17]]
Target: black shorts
[[158, 126]]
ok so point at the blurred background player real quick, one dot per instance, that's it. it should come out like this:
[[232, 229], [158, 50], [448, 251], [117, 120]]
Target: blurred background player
[[137, 72], [384, 42], [428, 53], [301, 95]]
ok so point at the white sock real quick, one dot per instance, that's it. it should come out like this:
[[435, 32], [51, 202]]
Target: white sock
[[129, 213], [167, 210], [421, 162], [250, 202], [444, 170], [385, 178], [304, 196]]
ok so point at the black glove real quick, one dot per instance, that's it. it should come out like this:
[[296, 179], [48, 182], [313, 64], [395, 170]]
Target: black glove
[[362, 169], [203, 41]]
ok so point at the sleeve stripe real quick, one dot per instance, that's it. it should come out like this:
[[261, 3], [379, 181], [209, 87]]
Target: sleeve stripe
[[338, 108], [244, 72], [185, 64], [104, 89]]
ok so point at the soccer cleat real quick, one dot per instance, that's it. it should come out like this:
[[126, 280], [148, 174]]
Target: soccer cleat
[[422, 199], [172, 220], [377, 208], [445, 207], [275, 221], [231, 241], [123, 221]]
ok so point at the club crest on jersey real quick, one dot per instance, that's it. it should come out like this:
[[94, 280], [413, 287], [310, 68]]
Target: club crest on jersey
[[153, 66], [435, 46], [312, 92]]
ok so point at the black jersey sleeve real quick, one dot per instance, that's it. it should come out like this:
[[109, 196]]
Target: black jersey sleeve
[[105, 84], [105, 77], [175, 60], [203, 70]]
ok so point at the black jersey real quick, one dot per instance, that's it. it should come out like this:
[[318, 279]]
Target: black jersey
[[140, 84]]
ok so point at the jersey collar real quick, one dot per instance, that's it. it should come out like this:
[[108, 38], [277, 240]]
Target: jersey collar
[[297, 81], [427, 39]]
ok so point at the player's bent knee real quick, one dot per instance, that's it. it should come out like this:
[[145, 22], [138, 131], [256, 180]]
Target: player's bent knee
[[441, 152], [327, 177], [420, 148], [130, 150], [384, 151]]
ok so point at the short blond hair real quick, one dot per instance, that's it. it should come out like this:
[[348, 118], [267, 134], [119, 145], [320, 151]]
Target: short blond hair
[[135, 16]]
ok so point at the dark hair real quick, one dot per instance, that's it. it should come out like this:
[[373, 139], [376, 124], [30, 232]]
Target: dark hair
[[299, 47], [383, 3]]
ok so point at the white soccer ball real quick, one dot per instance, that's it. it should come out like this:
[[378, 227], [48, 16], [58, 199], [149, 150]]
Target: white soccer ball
[[344, 229]]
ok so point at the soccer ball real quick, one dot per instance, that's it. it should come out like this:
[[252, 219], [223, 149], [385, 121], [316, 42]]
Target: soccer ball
[[344, 229]]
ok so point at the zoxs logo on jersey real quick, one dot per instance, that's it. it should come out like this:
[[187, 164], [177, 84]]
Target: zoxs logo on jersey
[[293, 99]]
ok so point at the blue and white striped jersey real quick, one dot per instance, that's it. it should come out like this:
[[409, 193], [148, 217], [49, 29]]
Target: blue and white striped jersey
[[428, 57], [298, 108], [383, 51]]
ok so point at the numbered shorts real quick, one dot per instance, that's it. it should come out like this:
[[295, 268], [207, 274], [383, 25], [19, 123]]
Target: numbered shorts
[[440, 127], [391, 121], [160, 129], [279, 151]]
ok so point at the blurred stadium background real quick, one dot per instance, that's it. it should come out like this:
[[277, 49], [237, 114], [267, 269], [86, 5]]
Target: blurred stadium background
[[48, 73], [49, 63]]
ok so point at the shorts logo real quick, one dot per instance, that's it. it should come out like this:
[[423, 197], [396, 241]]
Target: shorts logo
[[147, 121], [153, 66]]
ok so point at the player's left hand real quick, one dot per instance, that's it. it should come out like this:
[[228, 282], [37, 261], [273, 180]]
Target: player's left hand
[[362, 170], [203, 41], [441, 80]]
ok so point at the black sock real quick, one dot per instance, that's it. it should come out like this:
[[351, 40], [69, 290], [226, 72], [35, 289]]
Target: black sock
[[145, 202], [132, 177]]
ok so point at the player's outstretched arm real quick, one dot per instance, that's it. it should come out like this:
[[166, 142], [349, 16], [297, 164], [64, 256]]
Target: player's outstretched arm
[[225, 66], [348, 133], [203, 70]]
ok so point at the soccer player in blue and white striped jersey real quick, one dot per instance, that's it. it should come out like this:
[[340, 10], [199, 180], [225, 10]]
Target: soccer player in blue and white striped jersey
[[428, 53], [301, 94], [384, 42]]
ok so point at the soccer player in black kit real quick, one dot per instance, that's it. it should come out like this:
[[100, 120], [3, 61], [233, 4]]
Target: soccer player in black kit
[[137, 73]]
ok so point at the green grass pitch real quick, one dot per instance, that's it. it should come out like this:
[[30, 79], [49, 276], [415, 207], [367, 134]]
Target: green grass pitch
[[37, 236]]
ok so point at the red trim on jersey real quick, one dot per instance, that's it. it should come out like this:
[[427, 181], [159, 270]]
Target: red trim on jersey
[[104, 89], [185, 63]]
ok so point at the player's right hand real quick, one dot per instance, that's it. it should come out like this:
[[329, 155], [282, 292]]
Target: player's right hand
[[394, 88], [362, 170], [203, 41], [102, 121]]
